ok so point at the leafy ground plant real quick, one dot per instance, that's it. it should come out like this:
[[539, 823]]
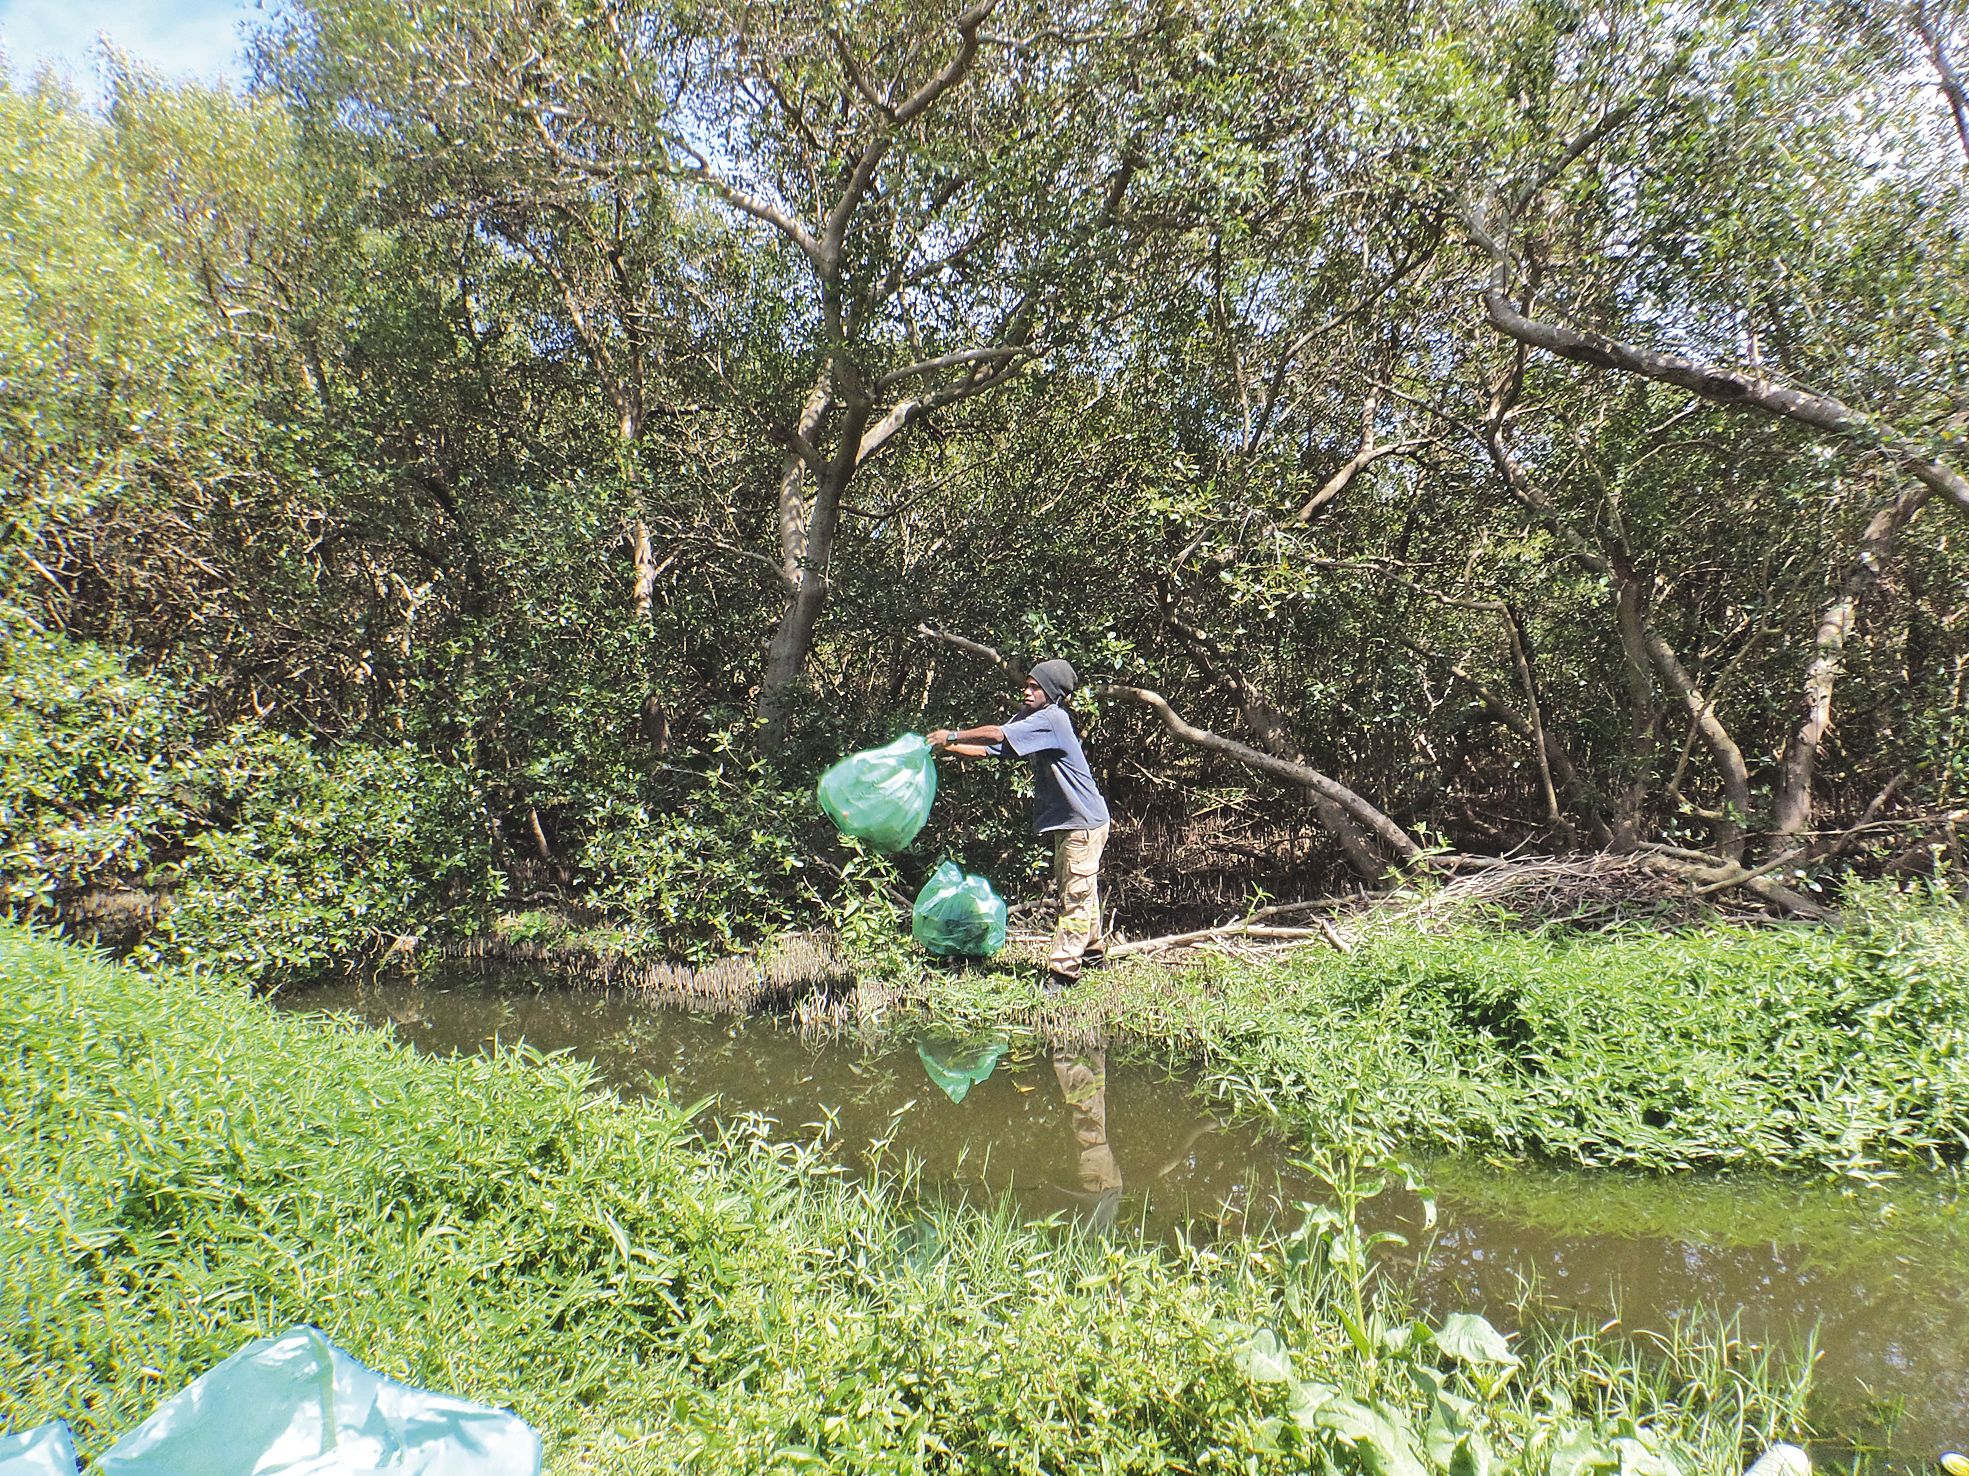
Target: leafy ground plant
[[1455, 1399]]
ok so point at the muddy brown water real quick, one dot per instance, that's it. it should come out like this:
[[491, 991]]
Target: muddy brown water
[[1118, 1142]]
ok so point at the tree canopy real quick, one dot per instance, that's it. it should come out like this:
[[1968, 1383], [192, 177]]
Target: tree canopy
[[1425, 424]]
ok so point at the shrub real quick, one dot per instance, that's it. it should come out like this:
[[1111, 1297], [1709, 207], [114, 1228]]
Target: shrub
[[277, 859], [706, 869], [100, 770], [323, 857]]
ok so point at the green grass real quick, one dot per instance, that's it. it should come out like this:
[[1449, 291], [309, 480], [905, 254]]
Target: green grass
[[183, 1170], [1840, 1050]]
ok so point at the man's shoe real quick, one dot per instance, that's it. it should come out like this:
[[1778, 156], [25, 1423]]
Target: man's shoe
[[1093, 958], [1057, 983]]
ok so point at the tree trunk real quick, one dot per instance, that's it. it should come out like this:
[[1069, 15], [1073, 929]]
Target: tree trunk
[[1794, 804], [643, 559], [806, 536], [1728, 828], [1636, 665]]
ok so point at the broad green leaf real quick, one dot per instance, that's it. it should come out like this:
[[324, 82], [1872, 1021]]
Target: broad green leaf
[[1472, 1339], [1264, 1435], [1380, 1436], [1307, 1400], [1640, 1458], [1264, 1358], [1452, 1426], [1579, 1453], [1471, 1456]]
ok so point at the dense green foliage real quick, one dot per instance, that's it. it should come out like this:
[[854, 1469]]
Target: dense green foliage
[[502, 457], [1842, 1051], [589, 400], [184, 1170], [279, 859], [97, 769]]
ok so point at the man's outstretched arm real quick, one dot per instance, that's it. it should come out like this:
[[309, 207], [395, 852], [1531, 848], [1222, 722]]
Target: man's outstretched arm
[[968, 742]]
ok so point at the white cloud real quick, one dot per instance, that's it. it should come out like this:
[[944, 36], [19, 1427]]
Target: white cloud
[[179, 38]]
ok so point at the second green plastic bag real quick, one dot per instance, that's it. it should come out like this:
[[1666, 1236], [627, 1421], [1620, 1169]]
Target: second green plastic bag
[[882, 795], [958, 916]]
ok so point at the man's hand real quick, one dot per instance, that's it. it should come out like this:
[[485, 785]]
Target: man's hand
[[940, 738]]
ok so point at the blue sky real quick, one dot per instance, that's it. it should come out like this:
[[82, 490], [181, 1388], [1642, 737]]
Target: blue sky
[[180, 38]]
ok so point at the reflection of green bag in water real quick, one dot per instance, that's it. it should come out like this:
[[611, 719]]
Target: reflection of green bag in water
[[958, 915], [957, 1066], [882, 795]]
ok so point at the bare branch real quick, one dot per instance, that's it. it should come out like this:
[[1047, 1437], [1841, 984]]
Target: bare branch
[[1611, 121], [1730, 387], [1945, 75], [835, 230], [1300, 774], [967, 24], [946, 361], [976, 648], [857, 76]]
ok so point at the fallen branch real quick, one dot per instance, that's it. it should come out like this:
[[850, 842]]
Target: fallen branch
[[1244, 928]]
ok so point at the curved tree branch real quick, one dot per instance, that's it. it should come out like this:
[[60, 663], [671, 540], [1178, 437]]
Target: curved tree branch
[[1304, 775], [1730, 387]]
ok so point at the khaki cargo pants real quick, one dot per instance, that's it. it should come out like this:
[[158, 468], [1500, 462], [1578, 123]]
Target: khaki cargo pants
[[1077, 885]]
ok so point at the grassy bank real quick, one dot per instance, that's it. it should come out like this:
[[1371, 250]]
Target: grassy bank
[[1828, 1049], [183, 1170]]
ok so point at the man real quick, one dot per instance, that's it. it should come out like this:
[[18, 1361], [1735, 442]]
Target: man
[[1066, 804]]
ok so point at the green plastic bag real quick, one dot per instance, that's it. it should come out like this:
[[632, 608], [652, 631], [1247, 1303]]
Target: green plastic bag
[[958, 915], [882, 795], [297, 1405]]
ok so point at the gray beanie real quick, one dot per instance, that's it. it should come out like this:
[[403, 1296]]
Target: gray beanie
[[1056, 678]]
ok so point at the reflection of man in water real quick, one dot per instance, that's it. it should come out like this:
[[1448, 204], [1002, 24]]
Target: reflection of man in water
[[1083, 1078]]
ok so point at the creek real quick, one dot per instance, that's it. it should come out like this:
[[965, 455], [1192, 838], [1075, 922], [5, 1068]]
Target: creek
[[1118, 1142]]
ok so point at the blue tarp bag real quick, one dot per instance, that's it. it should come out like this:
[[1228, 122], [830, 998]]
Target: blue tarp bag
[[46, 1450]]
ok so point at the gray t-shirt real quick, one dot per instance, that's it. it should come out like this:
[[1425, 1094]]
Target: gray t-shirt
[[1064, 796]]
